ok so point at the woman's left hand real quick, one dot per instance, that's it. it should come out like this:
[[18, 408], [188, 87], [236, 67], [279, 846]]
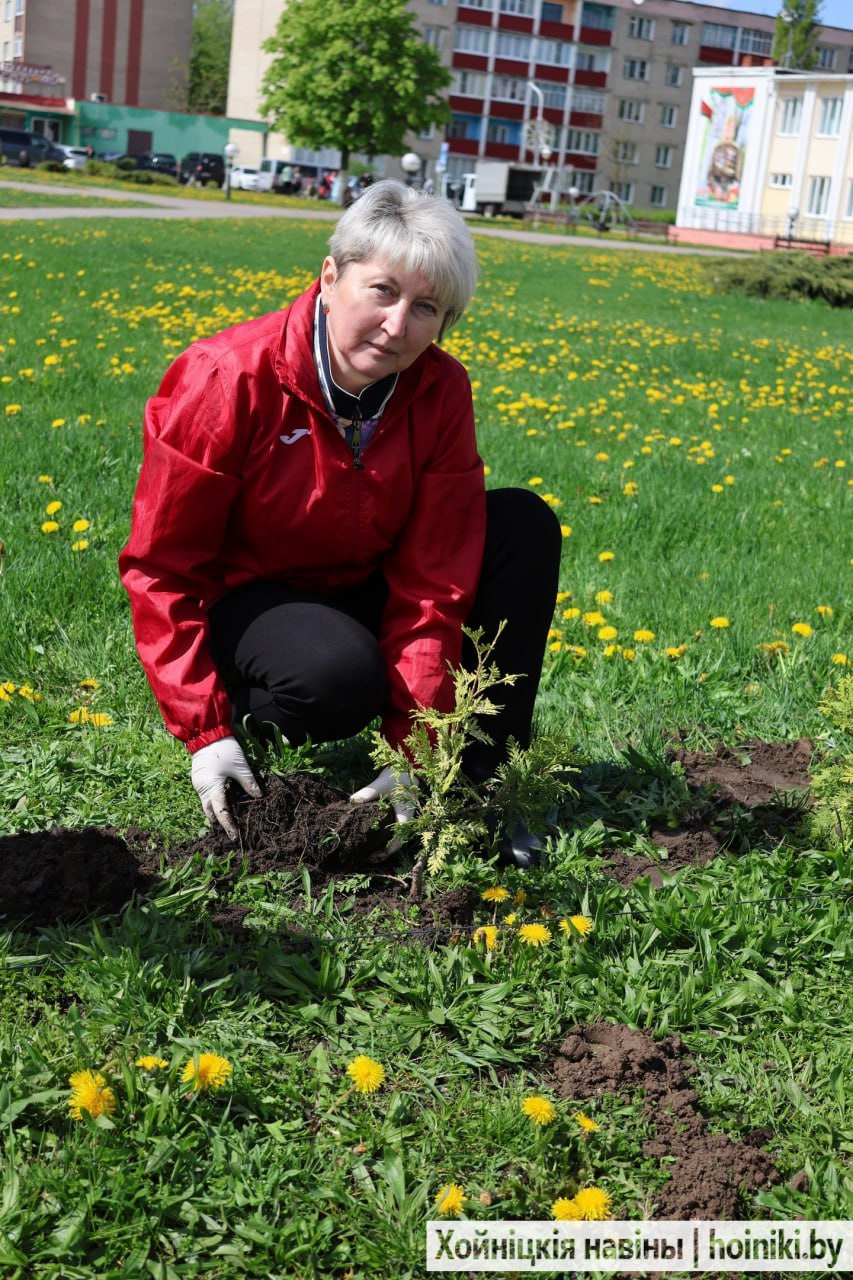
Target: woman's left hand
[[398, 787]]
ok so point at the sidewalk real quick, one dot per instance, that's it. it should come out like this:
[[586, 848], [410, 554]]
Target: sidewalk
[[142, 204]]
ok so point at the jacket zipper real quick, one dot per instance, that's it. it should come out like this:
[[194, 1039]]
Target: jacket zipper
[[355, 445]]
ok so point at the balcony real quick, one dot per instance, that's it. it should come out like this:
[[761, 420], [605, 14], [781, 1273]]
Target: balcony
[[709, 53], [502, 150], [591, 79], [595, 35], [585, 120], [463, 146], [474, 17]]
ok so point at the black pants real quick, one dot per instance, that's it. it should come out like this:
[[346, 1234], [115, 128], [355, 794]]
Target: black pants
[[312, 665]]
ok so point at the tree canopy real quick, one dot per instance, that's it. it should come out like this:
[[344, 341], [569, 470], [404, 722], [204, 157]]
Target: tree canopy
[[354, 75], [795, 44]]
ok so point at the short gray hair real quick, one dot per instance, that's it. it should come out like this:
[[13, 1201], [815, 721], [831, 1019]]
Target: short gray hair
[[417, 232]]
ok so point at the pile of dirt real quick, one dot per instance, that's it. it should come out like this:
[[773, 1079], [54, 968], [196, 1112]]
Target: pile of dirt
[[711, 1176], [302, 821], [770, 779]]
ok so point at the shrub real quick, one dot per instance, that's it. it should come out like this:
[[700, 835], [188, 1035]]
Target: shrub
[[792, 276]]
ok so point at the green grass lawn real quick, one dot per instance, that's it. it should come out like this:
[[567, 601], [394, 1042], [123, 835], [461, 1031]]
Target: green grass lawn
[[696, 449]]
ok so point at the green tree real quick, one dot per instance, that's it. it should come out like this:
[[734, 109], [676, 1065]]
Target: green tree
[[210, 56], [795, 45], [354, 75]]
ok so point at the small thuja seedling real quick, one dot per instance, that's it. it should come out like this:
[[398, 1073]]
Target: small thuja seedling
[[451, 813]]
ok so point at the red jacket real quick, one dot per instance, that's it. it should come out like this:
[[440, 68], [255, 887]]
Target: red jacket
[[245, 476]]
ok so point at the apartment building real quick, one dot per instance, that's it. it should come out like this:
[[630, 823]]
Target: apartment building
[[612, 83], [115, 51]]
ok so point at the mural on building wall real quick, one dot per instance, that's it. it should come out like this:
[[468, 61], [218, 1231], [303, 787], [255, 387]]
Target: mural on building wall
[[727, 114]]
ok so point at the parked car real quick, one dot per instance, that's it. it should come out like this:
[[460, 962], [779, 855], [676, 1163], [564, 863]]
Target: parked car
[[20, 147], [202, 167], [244, 178], [74, 157], [159, 162]]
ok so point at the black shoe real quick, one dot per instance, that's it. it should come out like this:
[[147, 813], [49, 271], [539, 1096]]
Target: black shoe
[[520, 848]]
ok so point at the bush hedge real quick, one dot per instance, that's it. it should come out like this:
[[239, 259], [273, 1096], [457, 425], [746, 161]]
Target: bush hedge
[[794, 276]]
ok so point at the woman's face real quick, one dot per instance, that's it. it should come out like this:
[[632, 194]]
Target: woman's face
[[380, 318]]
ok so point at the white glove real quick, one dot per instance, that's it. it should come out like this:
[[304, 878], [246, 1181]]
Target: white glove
[[399, 787], [212, 767]]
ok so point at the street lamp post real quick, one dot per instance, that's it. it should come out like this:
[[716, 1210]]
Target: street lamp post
[[231, 153], [411, 165]]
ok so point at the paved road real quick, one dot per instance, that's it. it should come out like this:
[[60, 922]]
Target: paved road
[[146, 205]]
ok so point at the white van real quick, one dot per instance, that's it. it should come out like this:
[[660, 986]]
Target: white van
[[271, 176]]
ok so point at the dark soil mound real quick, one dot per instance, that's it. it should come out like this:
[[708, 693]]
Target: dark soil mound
[[47, 876], [753, 773], [711, 1176]]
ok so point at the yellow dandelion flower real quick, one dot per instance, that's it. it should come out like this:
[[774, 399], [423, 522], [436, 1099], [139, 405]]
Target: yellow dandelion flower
[[495, 895], [603, 597], [825, 610], [535, 935], [717, 488], [511, 918], [449, 1200], [45, 479], [573, 612], [80, 716], [566, 530], [90, 683], [594, 1204], [728, 479], [99, 719], [604, 556], [607, 633], [586, 1123], [50, 526], [366, 1073], [643, 636], [207, 1072], [80, 526], [629, 655], [487, 934], [80, 545], [52, 508], [676, 651], [58, 422], [13, 408], [801, 629], [148, 1062], [563, 595], [520, 898], [4, 696], [534, 481], [594, 618], [720, 623], [631, 489], [565, 1210], [578, 924], [538, 1109], [840, 659], [89, 1092]]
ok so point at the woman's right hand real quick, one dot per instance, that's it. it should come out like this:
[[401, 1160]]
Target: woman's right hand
[[212, 766]]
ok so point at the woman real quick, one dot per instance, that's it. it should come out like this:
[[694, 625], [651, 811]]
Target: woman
[[311, 529]]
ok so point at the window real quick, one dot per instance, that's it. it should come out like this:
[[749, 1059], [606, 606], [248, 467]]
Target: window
[[663, 157], [508, 89], [817, 202], [471, 84], [8, 10], [757, 42], [792, 114], [624, 190], [497, 131], [632, 110], [668, 116], [464, 127], [673, 75], [641, 28], [719, 36], [427, 134], [479, 4], [830, 117], [510, 45], [556, 52], [601, 17], [680, 33], [592, 60], [552, 12], [827, 57], [584, 182], [635, 69], [658, 198], [848, 212], [472, 39], [626, 152], [554, 96], [6, 49], [587, 100], [440, 2], [583, 141], [19, 8], [850, 61], [434, 37], [18, 48], [524, 8], [781, 179]]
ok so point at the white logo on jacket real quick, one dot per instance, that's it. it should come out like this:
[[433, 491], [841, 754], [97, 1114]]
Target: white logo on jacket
[[295, 435]]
